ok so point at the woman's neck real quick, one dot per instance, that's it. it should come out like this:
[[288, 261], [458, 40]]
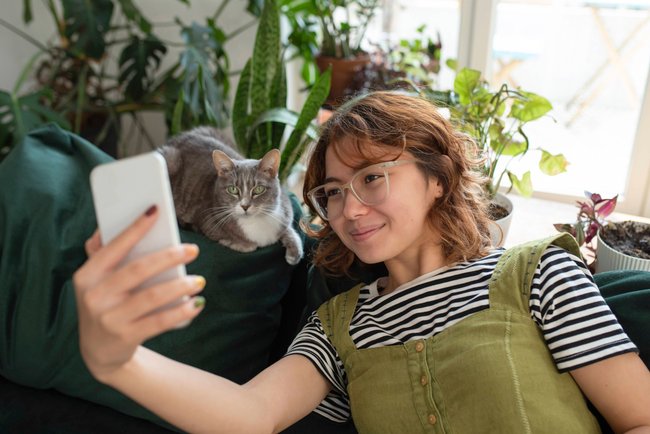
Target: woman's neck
[[414, 263]]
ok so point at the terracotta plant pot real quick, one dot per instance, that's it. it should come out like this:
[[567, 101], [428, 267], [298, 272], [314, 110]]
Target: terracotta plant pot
[[343, 72]]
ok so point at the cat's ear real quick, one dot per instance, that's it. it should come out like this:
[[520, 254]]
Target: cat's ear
[[222, 162], [270, 163]]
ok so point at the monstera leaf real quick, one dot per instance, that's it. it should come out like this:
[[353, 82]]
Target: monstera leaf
[[204, 87], [138, 63], [134, 15], [86, 23]]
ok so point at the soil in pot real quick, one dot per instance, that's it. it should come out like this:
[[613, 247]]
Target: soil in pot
[[628, 237], [496, 211]]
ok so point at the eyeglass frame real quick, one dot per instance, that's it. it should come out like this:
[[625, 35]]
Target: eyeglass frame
[[348, 185]]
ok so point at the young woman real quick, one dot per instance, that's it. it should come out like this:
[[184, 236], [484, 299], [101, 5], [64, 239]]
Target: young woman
[[458, 337]]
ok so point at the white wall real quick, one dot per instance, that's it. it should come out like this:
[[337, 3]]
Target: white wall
[[16, 52]]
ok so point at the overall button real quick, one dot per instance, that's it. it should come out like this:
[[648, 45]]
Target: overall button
[[432, 419], [419, 347], [424, 380]]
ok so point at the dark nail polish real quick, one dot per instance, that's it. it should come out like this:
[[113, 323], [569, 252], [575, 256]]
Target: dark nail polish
[[150, 210]]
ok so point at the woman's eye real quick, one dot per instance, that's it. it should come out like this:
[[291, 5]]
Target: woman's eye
[[231, 189], [259, 190], [372, 177], [332, 192]]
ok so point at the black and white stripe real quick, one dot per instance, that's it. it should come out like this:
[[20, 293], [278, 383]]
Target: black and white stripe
[[577, 324]]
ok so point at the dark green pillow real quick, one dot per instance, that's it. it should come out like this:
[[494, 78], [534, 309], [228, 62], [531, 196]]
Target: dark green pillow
[[46, 214]]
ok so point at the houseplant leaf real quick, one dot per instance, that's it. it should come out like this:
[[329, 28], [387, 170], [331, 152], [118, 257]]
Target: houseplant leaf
[[464, 84], [86, 24], [317, 96], [20, 114], [138, 63], [133, 14], [552, 164], [240, 110], [523, 186], [264, 64], [531, 107], [204, 96], [278, 98]]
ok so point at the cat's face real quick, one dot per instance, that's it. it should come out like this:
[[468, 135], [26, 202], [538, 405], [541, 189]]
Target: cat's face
[[248, 187]]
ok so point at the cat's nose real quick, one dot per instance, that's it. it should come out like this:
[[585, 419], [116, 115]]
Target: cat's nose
[[245, 207]]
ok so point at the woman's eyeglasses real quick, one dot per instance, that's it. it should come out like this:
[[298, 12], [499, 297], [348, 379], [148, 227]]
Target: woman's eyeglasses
[[369, 185]]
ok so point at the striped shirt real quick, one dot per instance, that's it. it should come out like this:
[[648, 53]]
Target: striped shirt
[[578, 326]]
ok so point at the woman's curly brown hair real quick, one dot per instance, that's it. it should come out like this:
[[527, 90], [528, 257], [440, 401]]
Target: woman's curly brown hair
[[406, 123]]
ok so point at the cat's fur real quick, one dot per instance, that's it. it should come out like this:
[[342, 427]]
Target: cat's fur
[[202, 166]]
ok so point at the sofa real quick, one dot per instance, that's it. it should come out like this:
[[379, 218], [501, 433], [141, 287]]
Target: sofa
[[256, 302]]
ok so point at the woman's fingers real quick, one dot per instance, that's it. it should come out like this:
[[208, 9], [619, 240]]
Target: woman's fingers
[[93, 244], [161, 296], [168, 319], [113, 253]]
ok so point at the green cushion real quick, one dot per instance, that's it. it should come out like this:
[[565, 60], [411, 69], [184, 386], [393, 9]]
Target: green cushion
[[46, 214], [627, 292]]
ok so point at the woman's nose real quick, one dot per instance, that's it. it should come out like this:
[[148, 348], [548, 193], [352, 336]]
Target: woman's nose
[[352, 206]]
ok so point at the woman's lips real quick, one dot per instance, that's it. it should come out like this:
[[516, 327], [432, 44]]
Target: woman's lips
[[364, 233]]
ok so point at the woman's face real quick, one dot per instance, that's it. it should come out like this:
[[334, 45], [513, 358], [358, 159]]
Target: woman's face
[[393, 229]]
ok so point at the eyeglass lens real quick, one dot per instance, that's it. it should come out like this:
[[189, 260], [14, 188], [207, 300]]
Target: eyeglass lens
[[369, 185]]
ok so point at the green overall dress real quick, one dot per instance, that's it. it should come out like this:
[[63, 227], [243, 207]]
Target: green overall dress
[[490, 373]]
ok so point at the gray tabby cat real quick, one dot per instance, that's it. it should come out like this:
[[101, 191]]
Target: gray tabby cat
[[235, 201]]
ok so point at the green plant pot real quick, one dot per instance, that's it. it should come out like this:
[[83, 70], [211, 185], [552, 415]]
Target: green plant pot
[[610, 259]]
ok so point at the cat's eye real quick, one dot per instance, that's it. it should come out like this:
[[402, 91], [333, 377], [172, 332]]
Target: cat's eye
[[259, 189], [231, 189]]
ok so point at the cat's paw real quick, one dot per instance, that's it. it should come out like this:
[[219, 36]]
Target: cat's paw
[[293, 257], [238, 247]]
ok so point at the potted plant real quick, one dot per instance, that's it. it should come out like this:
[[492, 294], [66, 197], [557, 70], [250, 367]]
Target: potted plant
[[623, 245], [496, 120], [409, 62], [105, 62], [331, 33], [260, 114]]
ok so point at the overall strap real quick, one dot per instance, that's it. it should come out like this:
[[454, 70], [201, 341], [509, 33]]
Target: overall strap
[[516, 269], [335, 316]]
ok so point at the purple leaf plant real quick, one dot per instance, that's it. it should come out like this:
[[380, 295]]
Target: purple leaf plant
[[592, 216]]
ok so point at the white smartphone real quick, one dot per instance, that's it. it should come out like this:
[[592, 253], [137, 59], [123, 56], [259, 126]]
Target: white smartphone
[[122, 191]]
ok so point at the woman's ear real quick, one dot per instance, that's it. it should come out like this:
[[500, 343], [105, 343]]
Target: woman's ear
[[436, 188]]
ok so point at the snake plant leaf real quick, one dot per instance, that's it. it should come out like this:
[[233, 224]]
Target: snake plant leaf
[[138, 62], [551, 164], [265, 62], [240, 110], [317, 96], [28, 16], [133, 14], [531, 107], [466, 81], [278, 98], [177, 115], [284, 116], [86, 24], [523, 186]]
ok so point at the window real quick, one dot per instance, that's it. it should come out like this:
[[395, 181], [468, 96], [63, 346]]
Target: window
[[589, 58]]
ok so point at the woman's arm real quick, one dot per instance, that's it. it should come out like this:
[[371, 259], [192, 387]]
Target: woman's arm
[[619, 387], [114, 321], [197, 401]]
